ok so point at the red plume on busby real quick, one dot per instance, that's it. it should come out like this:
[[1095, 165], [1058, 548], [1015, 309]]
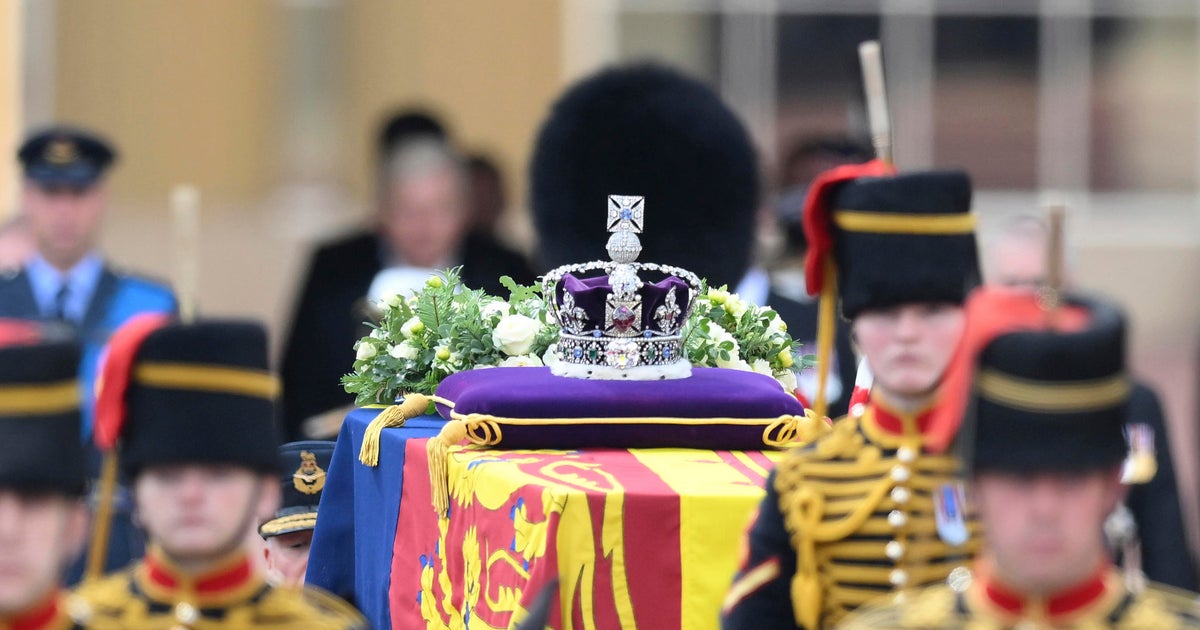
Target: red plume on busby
[[990, 313], [115, 374]]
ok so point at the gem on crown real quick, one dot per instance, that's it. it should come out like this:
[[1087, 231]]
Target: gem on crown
[[617, 326]]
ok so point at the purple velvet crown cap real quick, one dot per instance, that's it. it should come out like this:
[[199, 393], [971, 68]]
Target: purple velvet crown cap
[[591, 295]]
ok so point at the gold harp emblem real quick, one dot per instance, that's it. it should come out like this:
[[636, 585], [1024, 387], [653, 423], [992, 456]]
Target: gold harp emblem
[[309, 478]]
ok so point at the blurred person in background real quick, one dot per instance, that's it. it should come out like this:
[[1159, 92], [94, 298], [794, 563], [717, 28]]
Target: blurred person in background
[[326, 321], [67, 281], [43, 519], [489, 203], [1150, 517], [803, 161], [288, 534], [16, 244]]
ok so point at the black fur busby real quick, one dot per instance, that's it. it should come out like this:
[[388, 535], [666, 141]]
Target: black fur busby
[[904, 238], [1049, 400], [39, 418], [646, 130], [302, 467], [192, 394]]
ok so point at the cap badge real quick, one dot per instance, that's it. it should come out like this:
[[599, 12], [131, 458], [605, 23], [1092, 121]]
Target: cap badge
[[61, 151], [309, 478]]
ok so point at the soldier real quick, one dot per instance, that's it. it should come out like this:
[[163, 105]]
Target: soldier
[[1046, 452], [193, 408], [43, 520], [853, 514], [289, 535], [64, 198]]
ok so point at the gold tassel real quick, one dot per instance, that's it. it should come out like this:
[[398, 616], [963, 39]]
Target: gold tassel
[[438, 449], [98, 550], [395, 416], [826, 322], [806, 600]]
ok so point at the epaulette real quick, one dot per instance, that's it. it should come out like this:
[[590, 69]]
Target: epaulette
[[932, 608], [1161, 607], [309, 608], [100, 603]]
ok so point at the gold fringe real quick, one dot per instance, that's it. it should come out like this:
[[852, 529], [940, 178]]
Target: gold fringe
[[826, 322], [98, 550], [395, 416], [438, 449]]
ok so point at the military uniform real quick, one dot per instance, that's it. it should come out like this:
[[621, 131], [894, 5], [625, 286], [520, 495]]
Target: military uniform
[[176, 394], [302, 467], [874, 505], [155, 595], [1102, 601], [39, 433], [1045, 399]]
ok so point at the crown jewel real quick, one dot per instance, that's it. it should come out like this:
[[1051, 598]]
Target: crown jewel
[[617, 326]]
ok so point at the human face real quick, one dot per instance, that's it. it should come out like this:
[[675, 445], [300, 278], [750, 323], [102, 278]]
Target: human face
[[199, 513], [1017, 262], [424, 217], [287, 557], [65, 222], [1044, 531], [908, 346], [39, 535]]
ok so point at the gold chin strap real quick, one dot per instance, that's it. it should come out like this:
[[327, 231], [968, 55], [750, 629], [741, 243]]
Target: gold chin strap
[[826, 322]]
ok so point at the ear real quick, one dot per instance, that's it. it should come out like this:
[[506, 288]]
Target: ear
[[1115, 491], [76, 530], [269, 497]]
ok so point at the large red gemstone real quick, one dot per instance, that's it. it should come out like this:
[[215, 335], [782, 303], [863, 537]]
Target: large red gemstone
[[622, 318]]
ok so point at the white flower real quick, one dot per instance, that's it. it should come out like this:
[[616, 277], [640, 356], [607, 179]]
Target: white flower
[[776, 325], [527, 360], [411, 327], [495, 307], [396, 300], [787, 378], [762, 366], [406, 350], [717, 296], [514, 334], [736, 306], [551, 355], [378, 333], [365, 351]]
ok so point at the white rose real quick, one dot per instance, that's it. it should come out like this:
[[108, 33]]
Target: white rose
[[365, 351], [410, 327], [404, 350], [378, 333], [495, 307], [514, 334], [396, 300], [776, 325], [526, 360], [788, 380]]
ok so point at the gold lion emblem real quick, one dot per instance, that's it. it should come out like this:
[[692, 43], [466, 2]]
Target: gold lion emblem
[[308, 478]]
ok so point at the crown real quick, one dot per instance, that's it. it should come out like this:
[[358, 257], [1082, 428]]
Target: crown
[[617, 326]]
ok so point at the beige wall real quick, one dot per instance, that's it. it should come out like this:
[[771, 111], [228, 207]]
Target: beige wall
[[10, 101], [197, 91]]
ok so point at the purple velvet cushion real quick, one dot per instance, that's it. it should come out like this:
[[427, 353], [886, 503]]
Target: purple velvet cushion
[[692, 412]]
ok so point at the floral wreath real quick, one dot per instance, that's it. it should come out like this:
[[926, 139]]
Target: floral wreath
[[446, 328]]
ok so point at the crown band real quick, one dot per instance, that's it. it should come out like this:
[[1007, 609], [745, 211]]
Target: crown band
[[216, 379], [885, 223], [1065, 396], [39, 399]]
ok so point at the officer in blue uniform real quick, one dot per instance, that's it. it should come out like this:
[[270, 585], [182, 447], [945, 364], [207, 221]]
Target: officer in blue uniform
[[64, 199]]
